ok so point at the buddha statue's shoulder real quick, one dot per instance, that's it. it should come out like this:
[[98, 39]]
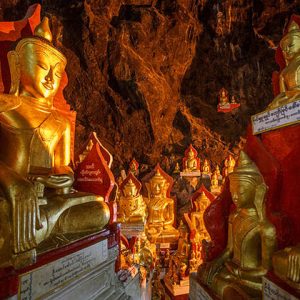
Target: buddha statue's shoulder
[[9, 102]]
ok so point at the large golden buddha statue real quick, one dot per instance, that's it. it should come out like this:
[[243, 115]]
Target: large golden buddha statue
[[161, 214], [36, 196], [237, 272], [132, 207], [289, 77]]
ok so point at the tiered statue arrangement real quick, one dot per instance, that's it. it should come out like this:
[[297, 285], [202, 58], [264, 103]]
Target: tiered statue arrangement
[[237, 272], [38, 201], [161, 213]]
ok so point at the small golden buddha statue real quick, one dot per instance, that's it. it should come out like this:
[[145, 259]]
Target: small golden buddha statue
[[214, 181], [206, 168], [229, 165], [131, 207], [286, 265], [37, 199], [289, 77], [191, 161], [218, 172], [161, 212], [237, 272], [177, 169], [223, 97]]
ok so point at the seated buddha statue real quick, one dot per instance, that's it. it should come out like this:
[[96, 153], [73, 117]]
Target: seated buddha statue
[[36, 196], [237, 272], [161, 214], [131, 207], [191, 161], [286, 265], [206, 168], [289, 77], [223, 97]]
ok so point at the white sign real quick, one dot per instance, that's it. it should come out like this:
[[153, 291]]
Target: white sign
[[41, 281], [273, 292], [282, 116]]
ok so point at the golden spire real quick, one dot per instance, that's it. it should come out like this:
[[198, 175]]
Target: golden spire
[[293, 27], [43, 30], [158, 176], [246, 168]]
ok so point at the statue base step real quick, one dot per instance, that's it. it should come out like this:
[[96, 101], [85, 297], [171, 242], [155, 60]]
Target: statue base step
[[183, 288], [132, 229], [81, 270], [198, 291], [276, 289]]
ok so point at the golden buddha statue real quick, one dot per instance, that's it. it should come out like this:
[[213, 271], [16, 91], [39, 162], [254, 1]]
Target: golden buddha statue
[[237, 272], [206, 168], [286, 265], [161, 214], [35, 178], [289, 77], [191, 161], [214, 181], [223, 97], [132, 207], [218, 172], [177, 169], [229, 165]]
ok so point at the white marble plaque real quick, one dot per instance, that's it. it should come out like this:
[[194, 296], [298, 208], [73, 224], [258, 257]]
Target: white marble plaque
[[282, 116], [271, 291], [190, 174], [47, 278]]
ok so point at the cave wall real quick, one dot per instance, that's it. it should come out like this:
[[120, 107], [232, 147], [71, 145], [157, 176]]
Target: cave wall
[[145, 74]]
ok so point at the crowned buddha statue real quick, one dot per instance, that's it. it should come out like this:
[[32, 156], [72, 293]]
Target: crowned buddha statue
[[191, 162], [131, 207], [215, 188], [286, 265], [237, 272], [289, 77], [161, 214], [36, 196], [229, 165]]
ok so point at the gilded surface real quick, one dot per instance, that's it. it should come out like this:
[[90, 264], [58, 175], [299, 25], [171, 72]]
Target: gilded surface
[[237, 272], [289, 78], [160, 211], [35, 178]]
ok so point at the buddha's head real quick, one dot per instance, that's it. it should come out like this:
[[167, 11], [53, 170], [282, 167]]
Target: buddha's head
[[290, 43], [158, 184], [130, 189], [203, 202], [36, 66], [191, 154], [247, 185]]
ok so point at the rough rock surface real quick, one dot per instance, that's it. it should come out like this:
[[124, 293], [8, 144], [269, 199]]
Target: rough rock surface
[[145, 74]]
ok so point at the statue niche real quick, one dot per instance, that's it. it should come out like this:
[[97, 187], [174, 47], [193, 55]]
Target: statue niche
[[37, 198]]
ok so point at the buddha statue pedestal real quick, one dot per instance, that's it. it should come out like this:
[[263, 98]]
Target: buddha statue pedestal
[[275, 288], [81, 270]]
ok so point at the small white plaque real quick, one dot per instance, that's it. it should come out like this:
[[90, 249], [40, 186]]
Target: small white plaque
[[164, 245], [190, 174], [282, 116], [271, 291], [41, 281]]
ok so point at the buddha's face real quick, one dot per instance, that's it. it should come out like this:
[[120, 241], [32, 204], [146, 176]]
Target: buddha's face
[[41, 70], [191, 154], [130, 190], [158, 186], [290, 46], [242, 192]]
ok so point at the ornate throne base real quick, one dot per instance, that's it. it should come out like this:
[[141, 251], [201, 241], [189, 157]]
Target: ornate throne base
[[84, 269]]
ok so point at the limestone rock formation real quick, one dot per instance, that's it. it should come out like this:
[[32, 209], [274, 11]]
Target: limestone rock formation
[[145, 74]]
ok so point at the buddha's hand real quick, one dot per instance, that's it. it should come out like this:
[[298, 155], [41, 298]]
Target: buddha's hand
[[208, 270], [25, 216], [293, 272], [278, 100], [56, 181]]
